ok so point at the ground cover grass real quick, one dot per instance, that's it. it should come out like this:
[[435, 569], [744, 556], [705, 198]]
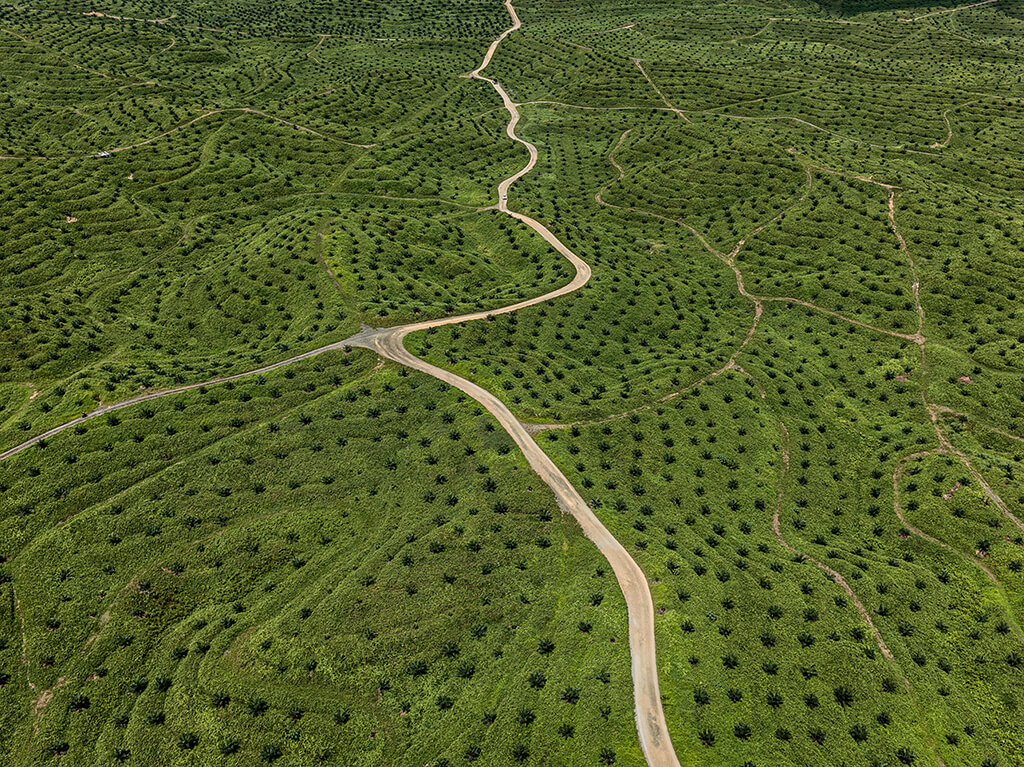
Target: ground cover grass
[[289, 566], [179, 259], [745, 616], [799, 350]]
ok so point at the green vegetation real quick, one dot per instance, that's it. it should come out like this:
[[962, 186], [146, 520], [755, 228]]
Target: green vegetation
[[293, 563], [792, 387]]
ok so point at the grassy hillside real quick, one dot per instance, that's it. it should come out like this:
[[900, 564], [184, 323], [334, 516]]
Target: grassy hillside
[[295, 566], [792, 387]]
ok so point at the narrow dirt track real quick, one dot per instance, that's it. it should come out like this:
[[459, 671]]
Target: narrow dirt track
[[833, 574], [664, 99], [949, 10], [157, 393], [388, 343]]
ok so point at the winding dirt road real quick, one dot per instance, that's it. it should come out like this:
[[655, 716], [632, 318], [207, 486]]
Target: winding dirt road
[[388, 343], [650, 716]]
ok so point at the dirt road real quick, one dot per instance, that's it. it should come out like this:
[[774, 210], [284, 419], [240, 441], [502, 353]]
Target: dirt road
[[388, 343], [650, 717], [949, 10]]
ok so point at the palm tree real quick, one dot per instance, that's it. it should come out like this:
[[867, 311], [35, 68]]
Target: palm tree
[[449, 649], [79, 703], [58, 747], [905, 755], [257, 706]]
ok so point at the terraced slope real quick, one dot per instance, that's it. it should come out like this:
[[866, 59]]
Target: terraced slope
[[782, 391]]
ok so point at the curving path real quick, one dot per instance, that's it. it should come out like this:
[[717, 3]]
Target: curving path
[[833, 574], [388, 343], [664, 99], [157, 393], [650, 717]]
